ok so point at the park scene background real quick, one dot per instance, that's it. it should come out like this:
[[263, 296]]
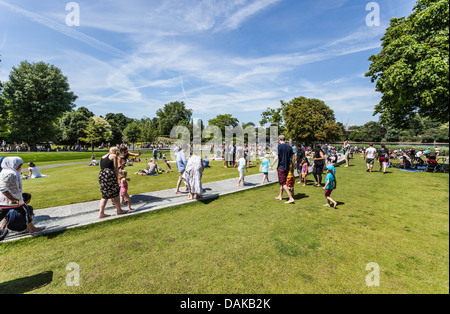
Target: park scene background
[[244, 242]]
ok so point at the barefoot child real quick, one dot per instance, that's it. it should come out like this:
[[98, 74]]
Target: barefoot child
[[304, 169], [265, 168], [330, 185], [290, 182], [241, 164], [124, 196]]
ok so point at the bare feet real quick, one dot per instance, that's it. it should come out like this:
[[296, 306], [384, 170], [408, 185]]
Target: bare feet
[[278, 198], [35, 230], [122, 212], [290, 202], [327, 205]]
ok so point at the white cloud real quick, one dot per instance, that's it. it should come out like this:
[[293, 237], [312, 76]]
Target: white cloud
[[239, 17], [64, 29]]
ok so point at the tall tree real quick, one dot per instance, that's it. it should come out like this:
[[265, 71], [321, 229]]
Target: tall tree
[[149, 130], [172, 115], [118, 123], [132, 133], [412, 70], [37, 94], [310, 120], [97, 131], [73, 124], [224, 120]]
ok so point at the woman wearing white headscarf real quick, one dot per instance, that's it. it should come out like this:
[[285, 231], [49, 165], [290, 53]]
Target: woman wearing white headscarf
[[11, 192]]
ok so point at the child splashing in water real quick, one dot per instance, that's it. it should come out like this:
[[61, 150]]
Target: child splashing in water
[[124, 196]]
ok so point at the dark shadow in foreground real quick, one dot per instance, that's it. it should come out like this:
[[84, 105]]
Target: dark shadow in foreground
[[27, 284]]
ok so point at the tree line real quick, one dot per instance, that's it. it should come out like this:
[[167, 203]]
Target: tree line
[[411, 72]]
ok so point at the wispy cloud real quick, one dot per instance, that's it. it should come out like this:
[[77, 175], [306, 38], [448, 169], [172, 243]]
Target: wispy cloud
[[65, 30], [238, 18]]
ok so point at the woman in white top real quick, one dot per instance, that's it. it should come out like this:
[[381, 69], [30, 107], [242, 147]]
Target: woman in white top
[[33, 171]]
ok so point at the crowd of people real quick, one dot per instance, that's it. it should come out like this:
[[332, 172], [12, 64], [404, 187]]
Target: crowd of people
[[113, 179]]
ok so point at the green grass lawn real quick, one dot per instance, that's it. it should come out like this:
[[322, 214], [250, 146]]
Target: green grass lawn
[[250, 243]]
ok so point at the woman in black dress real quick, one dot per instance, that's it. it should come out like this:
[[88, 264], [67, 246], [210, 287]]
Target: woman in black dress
[[319, 164], [109, 184]]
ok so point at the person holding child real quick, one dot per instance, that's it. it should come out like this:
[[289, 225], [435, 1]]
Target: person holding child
[[11, 197], [21, 220]]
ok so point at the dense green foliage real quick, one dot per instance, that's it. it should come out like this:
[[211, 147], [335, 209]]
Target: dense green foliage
[[412, 70], [418, 129], [310, 120], [35, 96]]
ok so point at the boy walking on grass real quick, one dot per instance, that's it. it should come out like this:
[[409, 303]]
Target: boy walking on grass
[[330, 185], [265, 168]]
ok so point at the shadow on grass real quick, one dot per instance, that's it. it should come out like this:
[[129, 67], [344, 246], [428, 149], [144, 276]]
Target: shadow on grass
[[300, 196], [26, 284]]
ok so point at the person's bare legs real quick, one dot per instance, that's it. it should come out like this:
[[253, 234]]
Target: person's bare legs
[[179, 184], [31, 228], [103, 203], [289, 194], [280, 197], [331, 201], [119, 210]]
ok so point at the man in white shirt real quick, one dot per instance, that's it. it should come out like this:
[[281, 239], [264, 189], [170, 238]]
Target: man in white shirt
[[369, 156]]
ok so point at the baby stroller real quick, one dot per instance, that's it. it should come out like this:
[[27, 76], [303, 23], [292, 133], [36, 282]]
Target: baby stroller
[[433, 165]]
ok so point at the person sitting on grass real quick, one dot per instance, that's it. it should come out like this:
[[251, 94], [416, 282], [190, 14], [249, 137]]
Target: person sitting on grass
[[21, 220], [152, 168], [330, 186], [33, 171], [406, 162], [206, 162]]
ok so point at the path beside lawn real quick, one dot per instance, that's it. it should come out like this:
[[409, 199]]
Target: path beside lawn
[[61, 218]]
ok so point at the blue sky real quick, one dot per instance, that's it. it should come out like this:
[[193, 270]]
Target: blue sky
[[218, 56]]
